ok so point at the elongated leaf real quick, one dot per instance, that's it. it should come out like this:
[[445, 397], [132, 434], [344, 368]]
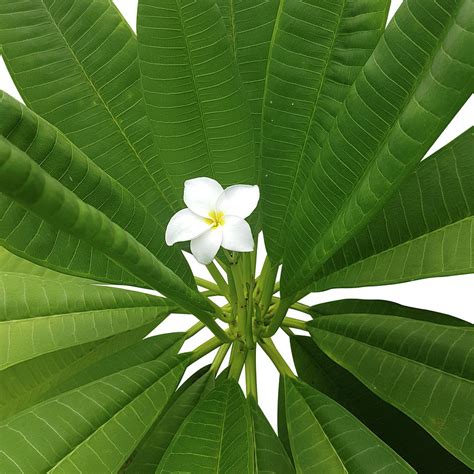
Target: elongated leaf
[[38, 316], [150, 452], [426, 370], [401, 433], [270, 455], [143, 351], [418, 77], [93, 428], [27, 235], [325, 437], [215, 437], [75, 63], [317, 50], [353, 306], [250, 25], [193, 92], [24, 181], [24, 384], [432, 238]]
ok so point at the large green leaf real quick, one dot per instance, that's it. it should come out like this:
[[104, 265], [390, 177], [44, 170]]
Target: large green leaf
[[353, 306], [24, 384], [317, 50], [142, 351], [270, 455], [420, 74], [26, 234], [193, 92], [75, 63], [215, 437], [401, 433], [432, 238], [250, 25], [24, 181], [424, 369], [38, 316], [93, 428], [150, 452], [325, 437]]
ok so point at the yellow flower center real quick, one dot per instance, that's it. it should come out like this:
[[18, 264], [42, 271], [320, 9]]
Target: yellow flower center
[[215, 219]]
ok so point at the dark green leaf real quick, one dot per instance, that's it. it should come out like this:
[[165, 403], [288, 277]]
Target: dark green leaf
[[426, 229], [317, 50], [93, 428], [401, 433], [426, 370], [418, 77], [325, 437]]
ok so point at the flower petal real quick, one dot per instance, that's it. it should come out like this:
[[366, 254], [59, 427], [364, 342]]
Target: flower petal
[[237, 235], [201, 195], [185, 225], [205, 247], [239, 200]]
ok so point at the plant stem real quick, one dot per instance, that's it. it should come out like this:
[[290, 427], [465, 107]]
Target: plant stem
[[219, 279], [251, 374], [239, 356], [194, 330], [205, 348], [265, 285], [209, 285], [277, 318], [217, 362], [294, 323], [303, 308], [272, 352]]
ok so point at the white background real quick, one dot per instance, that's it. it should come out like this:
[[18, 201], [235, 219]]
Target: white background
[[452, 295]]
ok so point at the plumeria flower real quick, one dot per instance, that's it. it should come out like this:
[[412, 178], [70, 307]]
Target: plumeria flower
[[214, 218]]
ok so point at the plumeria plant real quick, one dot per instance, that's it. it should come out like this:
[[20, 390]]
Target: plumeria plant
[[306, 121]]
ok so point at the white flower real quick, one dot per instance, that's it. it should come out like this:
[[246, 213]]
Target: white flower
[[214, 218]]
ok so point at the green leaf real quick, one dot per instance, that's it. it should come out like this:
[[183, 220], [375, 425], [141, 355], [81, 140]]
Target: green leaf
[[434, 236], [418, 77], [145, 350], [76, 65], [401, 433], [425, 370], [270, 455], [24, 181], [325, 437], [93, 428], [150, 452], [353, 306], [38, 316], [250, 26], [27, 235], [215, 437], [317, 50], [193, 92], [24, 384]]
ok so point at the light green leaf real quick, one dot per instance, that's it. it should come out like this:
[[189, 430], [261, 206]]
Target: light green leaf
[[270, 455], [215, 437], [93, 428], [76, 65], [24, 384], [149, 453], [353, 306], [325, 437], [145, 350], [24, 181], [400, 432], [425, 230], [426, 370], [317, 50], [418, 77], [250, 26], [38, 316], [193, 92], [27, 235]]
